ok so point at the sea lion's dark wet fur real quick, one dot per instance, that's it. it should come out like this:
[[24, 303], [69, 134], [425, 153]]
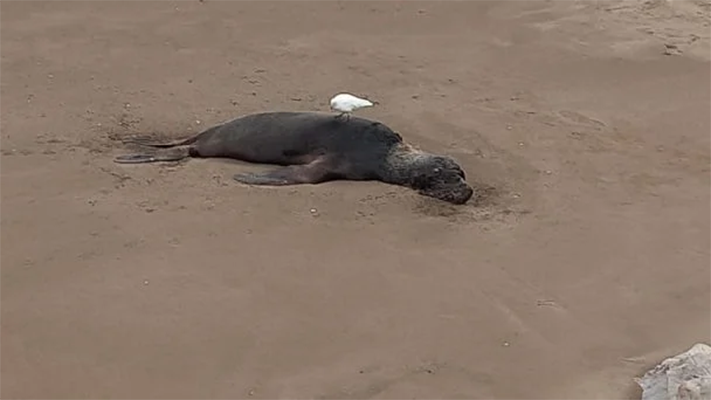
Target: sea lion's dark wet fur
[[314, 148]]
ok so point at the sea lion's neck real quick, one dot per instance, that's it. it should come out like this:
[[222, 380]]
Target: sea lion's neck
[[402, 165]]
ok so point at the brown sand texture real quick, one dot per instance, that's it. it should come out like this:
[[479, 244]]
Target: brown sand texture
[[584, 124]]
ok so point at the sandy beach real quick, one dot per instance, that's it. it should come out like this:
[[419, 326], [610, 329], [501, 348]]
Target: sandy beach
[[585, 125]]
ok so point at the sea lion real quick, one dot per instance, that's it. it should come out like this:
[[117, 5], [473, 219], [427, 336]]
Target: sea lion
[[317, 147]]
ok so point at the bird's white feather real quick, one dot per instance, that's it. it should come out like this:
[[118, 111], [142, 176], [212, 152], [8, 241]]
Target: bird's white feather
[[346, 103]]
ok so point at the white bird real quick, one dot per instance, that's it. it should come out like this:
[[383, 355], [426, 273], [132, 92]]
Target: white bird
[[347, 103]]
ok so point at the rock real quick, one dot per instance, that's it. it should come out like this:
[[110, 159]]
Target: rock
[[686, 376]]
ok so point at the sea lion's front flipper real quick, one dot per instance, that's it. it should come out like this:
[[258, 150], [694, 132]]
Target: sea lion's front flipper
[[315, 172]]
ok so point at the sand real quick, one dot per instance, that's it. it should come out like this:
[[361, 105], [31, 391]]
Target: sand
[[584, 124]]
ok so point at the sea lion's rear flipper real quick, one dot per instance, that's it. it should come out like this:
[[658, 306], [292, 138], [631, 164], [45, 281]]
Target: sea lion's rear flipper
[[135, 159], [141, 158], [315, 172], [148, 143]]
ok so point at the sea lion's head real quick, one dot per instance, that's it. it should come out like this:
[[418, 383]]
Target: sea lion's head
[[440, 177]]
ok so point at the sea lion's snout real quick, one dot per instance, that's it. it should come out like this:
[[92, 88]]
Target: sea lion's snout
[[459, 193], [462, 194], [456, 193], [445, 180]]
